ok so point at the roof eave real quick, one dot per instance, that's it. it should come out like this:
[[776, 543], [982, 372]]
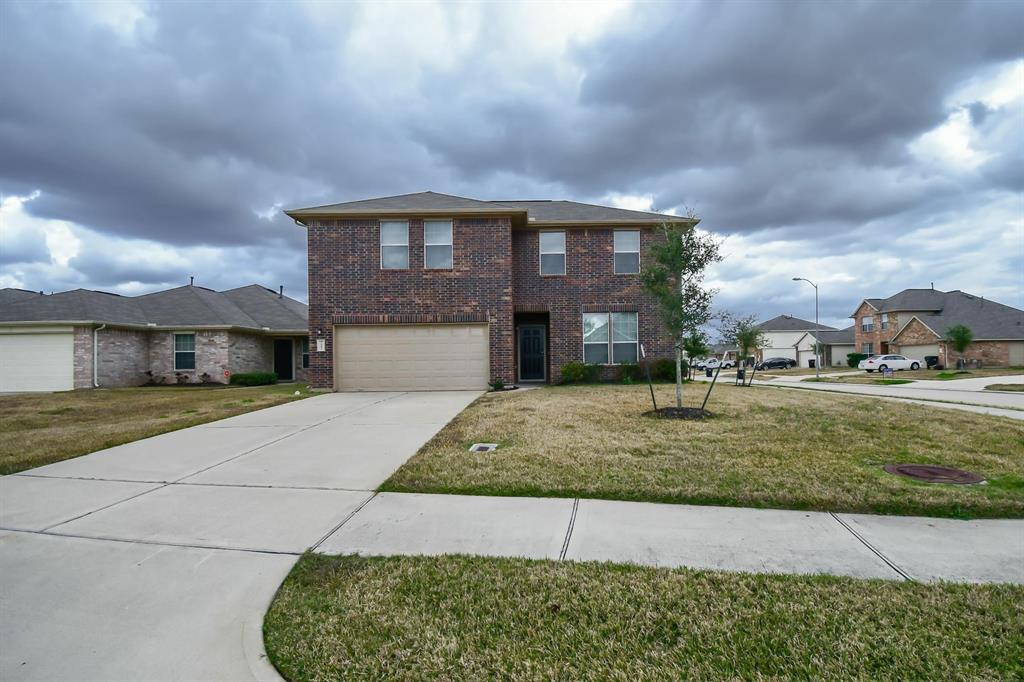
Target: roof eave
[[645, 222]]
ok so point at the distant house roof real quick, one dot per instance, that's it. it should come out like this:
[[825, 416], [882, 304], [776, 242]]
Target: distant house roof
[[251, 307], [838, 337], [534, 212], [788, 323], [987, 319]]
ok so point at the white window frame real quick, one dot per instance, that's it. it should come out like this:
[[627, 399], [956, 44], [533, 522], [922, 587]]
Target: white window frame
[[870, 348], [883, 321], [175, 351], [611, 336], [615, 251], [380, 230], [450, 244], [563, 253], [870, 325]]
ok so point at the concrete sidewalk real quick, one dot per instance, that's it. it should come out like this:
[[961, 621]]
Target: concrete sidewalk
[[725, 538]]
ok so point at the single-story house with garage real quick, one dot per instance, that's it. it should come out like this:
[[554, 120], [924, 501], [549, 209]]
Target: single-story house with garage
[[835, 346], [914, 323], [85, 338], [781, 335]]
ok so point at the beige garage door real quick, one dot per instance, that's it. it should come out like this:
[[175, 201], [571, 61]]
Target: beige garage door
[[919, 352], [410, 357], [36, 362]]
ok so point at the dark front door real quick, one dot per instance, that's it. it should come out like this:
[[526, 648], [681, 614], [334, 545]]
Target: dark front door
[[532, 363], [284, 359]]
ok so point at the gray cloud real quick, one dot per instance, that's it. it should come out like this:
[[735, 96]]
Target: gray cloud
[[788, 121]]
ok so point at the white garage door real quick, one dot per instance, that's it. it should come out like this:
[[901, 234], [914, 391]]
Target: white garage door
[[411, 357], [37, 362], [919, 352]]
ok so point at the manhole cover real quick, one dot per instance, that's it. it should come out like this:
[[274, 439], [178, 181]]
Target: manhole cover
[[930, 473]]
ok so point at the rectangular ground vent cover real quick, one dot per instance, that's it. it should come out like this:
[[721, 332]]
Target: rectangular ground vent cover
[[483, 447]]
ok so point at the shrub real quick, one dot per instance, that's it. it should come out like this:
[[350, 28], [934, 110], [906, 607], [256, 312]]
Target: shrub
[[853, 359], [253, 378], [629, 373], [497, 385], [664, 369], [578, 372]]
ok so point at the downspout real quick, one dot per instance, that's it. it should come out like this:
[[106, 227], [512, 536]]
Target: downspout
[[95, 355]]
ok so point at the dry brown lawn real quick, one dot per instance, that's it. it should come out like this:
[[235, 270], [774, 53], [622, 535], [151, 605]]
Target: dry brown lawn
[[477, 618], [45, 428], [763, 448]]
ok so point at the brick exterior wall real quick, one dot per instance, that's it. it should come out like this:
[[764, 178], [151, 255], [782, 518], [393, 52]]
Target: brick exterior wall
[[123, 356], [250, 353], [83, 357], [212, 351], [877, 336], [983, 353], [345, 279], [589, 285]]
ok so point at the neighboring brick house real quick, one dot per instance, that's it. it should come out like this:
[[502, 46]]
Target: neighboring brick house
[[85, 339], [914, 323], [431, 291]]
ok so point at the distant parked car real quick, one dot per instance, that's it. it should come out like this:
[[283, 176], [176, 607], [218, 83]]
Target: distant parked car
[[884, 362], [715, 363], [776, 363]]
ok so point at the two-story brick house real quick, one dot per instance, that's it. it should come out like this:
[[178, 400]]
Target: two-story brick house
[[431, 291], [914, 323]]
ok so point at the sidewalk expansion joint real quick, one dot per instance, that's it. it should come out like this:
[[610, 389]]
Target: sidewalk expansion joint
[[891, 564], [568, 532], [157, 543], [343, 522]]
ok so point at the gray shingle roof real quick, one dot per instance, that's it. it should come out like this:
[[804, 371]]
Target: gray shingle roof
[[986, 319], [572, 211], [788, 323], [14, 295], [911, 299], [539, 211], [252, 307], [832, 338], [404, 203]]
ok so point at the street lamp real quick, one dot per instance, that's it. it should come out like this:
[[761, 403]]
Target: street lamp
[[817, 358]]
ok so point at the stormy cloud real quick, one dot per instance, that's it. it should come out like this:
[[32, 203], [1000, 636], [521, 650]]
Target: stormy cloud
[[870, 145]]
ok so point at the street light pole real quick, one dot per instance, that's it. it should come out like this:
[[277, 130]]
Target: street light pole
[[817, 344]]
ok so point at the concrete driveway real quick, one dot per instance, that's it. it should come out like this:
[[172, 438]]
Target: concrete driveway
[[157, 559]]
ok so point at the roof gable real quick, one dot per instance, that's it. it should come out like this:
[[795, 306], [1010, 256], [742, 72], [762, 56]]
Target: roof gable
[[788, 323]]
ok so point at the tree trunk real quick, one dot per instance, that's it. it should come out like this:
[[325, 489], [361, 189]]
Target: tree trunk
[[679, 376]]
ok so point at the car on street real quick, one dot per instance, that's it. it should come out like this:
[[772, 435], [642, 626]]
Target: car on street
[[894, 362], [714, 363], [775, 363]]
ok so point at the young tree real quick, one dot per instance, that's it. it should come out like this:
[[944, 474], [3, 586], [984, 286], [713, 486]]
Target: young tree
[[959, 337], [676, 278], [743, 333], [695, 346]]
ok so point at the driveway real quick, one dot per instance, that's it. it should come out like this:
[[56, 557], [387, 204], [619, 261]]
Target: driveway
[[157, 559]]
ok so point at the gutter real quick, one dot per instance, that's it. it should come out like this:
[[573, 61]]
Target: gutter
[[95, 355]]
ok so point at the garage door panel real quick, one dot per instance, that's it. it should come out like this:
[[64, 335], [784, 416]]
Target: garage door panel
[[37, 362], [920, 351], [411, 357]]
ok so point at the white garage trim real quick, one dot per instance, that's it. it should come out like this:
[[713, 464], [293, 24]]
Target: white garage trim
[[37, 359], [411, 357]]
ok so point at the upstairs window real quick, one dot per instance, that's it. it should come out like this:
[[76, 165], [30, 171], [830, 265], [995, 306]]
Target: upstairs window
[[627, 252], [394, 245], [867, 324], [610, 338], [185, 351], [437, 244], [885, 321], [552, 253]]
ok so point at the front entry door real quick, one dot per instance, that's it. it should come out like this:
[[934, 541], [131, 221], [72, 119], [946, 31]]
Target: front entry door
[[532, 360], [284, 359]]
